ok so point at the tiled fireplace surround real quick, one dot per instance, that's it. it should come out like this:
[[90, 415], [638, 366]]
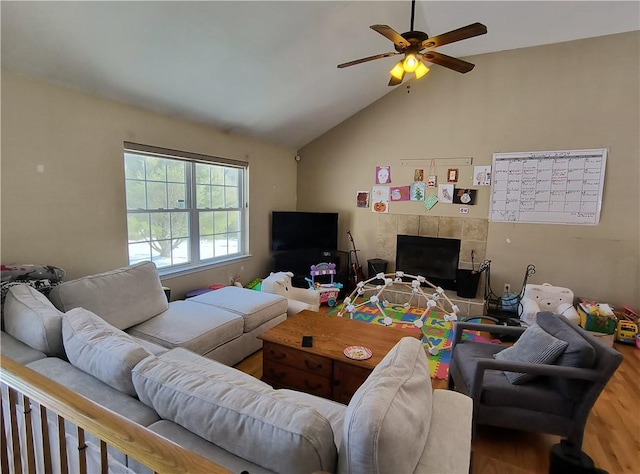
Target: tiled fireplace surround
[[472, 233]]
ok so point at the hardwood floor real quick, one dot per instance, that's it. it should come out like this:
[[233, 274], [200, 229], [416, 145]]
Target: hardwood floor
[[612, 434]]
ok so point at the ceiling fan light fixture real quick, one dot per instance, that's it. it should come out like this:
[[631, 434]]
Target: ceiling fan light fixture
[[410, 63], [397, 71], [421, 70]]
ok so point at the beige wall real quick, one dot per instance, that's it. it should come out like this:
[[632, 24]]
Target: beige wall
[[73, 213], [575, 95]]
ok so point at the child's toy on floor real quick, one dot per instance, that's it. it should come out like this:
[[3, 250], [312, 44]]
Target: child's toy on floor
[[627, 329], [298, 298], [328, 291], [434, 301]]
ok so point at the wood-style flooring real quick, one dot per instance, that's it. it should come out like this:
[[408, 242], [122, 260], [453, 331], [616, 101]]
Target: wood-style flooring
[[612, 434]]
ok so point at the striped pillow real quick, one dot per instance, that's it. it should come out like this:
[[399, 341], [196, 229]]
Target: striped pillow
[[535, 346]]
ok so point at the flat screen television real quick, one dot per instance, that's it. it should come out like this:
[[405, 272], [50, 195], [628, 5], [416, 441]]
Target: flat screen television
[[291, 230], [436, 259]]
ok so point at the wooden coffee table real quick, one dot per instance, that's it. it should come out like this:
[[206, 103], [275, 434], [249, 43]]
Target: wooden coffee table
[[323, 369]]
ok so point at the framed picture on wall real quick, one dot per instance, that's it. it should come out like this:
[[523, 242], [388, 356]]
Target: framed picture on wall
[[452, 175]]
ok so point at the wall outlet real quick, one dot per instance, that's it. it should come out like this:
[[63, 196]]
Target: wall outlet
[[507, 287]]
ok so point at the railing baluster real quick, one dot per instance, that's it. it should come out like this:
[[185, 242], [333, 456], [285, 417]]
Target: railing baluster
[[104, 460], [15, 434], [4, 455], [28, 429], [82, 452], [62, 447], [46, 446]]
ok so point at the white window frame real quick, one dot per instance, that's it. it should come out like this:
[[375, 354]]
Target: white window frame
[[191, 160]]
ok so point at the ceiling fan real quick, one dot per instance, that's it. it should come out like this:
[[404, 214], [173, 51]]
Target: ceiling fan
[[416, 45]]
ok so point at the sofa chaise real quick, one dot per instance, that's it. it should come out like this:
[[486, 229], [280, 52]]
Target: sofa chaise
[[221, 325]]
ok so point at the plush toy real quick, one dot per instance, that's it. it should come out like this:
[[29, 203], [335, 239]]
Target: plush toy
[[547, 297], [299, 298]]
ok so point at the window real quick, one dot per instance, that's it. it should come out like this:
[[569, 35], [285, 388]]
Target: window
[[184, 210]]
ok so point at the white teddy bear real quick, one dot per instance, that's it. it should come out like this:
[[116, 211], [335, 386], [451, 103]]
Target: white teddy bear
[[547, 297], [299, 298]]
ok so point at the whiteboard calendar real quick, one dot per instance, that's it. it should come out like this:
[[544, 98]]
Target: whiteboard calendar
[[548, 187]]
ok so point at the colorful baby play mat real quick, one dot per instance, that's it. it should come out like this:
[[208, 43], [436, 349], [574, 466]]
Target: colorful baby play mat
[[436, 330]]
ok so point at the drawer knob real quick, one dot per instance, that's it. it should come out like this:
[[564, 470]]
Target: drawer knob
[[277, 356], [311, 365]]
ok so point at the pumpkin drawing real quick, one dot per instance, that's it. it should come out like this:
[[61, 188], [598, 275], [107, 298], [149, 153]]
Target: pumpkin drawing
[[379, 207]]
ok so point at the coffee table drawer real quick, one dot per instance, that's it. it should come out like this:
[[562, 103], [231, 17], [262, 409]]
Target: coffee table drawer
[[280, 375], [310, 363]]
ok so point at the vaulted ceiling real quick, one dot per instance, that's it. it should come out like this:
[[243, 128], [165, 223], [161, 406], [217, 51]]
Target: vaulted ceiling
[[266, 69]]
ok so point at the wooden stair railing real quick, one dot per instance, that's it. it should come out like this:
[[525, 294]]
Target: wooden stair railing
[[22, 386]]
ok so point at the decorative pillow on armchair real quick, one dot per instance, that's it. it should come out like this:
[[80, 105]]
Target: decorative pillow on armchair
[[535, 346]]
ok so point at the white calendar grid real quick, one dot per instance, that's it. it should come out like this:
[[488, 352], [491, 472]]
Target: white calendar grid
[[553, 187]]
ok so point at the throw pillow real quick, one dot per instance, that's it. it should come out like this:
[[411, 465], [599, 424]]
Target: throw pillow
[[579, 352], [535, 346], [123, 297], [387, 422], [251, 421], [31, 318], [99, 349]]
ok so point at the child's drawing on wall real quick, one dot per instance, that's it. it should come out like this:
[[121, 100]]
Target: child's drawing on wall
[[362, 199], [383, 174], [400, 193]]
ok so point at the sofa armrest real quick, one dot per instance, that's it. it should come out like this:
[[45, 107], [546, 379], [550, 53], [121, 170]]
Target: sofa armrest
[[461, 326], [448, 447], [548, 370]]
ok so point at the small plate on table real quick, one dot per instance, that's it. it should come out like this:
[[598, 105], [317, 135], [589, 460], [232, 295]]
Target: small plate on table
[[358, 352]]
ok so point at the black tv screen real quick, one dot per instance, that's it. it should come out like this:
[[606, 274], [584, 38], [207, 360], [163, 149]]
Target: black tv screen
[[304, 230]]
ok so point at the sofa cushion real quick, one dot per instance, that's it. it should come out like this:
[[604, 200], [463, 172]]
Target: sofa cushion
[[534, 346], [255, 307], [95, 390], [17, 350], [186, 439], [199, 328], [99, 349], [209, 368], [32, 319], [249, 421], [497, 391], [387, 421], [123, 297], [578, 353]]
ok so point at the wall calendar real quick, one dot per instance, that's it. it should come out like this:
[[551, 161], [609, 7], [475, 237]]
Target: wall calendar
[[548, 187]]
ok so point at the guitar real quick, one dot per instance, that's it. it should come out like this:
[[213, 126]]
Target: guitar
[[356, 273]]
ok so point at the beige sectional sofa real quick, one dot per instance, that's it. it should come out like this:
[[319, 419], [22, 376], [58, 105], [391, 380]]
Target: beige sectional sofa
[[393, 424]]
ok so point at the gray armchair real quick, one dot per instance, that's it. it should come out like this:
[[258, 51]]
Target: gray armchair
[[560, 395]]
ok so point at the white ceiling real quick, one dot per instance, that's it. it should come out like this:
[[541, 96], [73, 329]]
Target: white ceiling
[[266, 69]]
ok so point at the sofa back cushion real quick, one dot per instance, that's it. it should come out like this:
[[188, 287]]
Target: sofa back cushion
[[249, 420], [387, 421], [32, 319], [578, 353], [99, 349], [123, 297]]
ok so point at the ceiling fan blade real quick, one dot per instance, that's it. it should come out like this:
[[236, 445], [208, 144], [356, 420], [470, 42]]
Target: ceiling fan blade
[[469, 31], [447, 61], [370, 58], [391, 34]]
